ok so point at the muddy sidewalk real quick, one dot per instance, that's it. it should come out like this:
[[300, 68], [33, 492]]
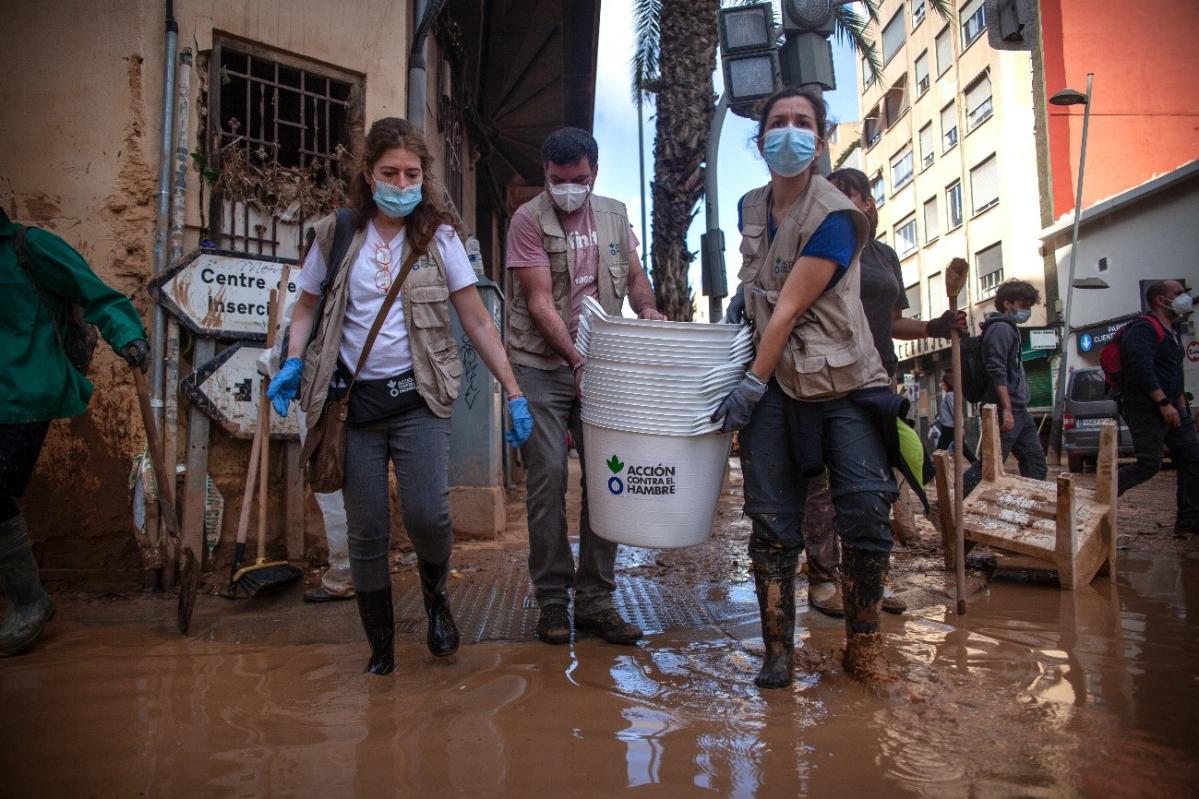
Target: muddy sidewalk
[[1036, 691]]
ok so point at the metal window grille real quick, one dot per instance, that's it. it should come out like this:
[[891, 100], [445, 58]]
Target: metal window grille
[[276, 109]]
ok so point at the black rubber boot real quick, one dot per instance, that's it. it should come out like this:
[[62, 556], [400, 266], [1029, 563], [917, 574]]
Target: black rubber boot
[[862, 577], [774, 581], [29, 606], [443, 633], [378, 620]]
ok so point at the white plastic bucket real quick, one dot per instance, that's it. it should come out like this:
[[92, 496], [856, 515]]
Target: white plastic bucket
[[649, 490]]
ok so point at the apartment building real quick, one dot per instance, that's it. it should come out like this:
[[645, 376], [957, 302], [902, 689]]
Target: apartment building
[[948, 144]]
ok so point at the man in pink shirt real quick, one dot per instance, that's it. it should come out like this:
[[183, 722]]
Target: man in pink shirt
[[563, 245]]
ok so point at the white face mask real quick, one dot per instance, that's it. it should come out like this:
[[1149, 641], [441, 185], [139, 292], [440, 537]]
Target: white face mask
[[1182, 304], [569, 197]]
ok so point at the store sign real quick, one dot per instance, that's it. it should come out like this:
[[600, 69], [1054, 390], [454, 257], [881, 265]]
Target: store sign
[[1093, 338], [1042, 339], [221, 293], [228, 389]]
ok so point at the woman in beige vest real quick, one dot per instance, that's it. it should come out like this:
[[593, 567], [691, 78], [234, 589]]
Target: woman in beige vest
[[406, 381], [805, 404]]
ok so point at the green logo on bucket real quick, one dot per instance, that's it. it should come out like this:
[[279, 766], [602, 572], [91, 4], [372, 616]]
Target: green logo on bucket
[[615, 484]]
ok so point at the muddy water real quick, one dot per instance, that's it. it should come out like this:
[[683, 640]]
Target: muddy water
[[1037, 692]]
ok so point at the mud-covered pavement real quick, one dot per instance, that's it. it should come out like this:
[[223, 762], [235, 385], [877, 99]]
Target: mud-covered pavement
[[1035, 692]]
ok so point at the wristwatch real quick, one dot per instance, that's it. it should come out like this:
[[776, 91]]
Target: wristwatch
[[1164, 401]]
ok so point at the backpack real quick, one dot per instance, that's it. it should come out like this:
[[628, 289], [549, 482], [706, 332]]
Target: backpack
[[1111, 358], [343, 234], [974, 367], [78, 339]]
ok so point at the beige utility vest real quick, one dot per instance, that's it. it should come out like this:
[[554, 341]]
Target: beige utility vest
[[830, 351], [526, 346], [426, 301]]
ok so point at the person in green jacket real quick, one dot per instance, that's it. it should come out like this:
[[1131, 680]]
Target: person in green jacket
[[38, 384]]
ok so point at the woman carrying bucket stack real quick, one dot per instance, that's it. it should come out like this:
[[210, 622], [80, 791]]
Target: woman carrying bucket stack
[[806, 404]]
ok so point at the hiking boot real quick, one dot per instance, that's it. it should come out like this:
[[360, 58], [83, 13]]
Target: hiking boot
[[378, 620], [442, 637], [826, 598], [774, 583], [29, 606], [553, 627], [608, 624], [862, 577]]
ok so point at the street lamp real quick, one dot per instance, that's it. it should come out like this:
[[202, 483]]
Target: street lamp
[[1069, 97]]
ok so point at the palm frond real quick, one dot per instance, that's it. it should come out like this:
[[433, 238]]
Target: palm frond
[[851, 27], [647, 34], [872, 9], [944, 9]]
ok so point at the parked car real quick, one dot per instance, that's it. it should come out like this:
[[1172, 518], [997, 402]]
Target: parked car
[[1087, 406]]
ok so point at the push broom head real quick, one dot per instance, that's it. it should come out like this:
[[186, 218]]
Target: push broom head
[[265, 577]]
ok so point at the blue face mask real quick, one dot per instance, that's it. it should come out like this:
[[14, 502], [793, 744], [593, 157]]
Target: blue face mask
[[1023, 315], [394, 201], [789, 150]]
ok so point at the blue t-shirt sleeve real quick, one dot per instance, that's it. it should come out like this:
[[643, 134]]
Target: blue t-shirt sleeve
[[835, 240]]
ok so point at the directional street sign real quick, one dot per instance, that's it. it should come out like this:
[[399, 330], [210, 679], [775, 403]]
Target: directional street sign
[[228, 389], [221, 293]]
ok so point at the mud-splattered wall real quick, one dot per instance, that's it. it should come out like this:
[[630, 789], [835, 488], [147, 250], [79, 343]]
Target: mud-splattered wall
[[81, 89]]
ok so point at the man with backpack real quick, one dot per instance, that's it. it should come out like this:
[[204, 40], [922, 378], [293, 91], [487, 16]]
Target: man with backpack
[[1152, 400], [45, 348], [1006, 386]]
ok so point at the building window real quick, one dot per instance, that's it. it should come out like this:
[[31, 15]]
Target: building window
[[953, 204], [905, 237], [917, 13], [872, 127], [913, 309], [893, 36], [974, 21], [984, 185], [901, 168], [922, 79], [927, 146], [867, 75], [949, 127], [896, 101], [944, 52], [988, 264], [932, 223], [978, 101], [876, 189], [282, 118]]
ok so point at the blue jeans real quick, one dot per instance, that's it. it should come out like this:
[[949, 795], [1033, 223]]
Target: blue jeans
[[860, 479]]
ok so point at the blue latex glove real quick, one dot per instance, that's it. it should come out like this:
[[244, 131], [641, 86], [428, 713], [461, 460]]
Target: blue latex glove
[[522, 422], [285, 385], [737, 408]]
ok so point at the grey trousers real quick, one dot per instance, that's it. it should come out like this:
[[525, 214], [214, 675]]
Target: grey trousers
[[1025, 441], [555, 409], [417, 443]]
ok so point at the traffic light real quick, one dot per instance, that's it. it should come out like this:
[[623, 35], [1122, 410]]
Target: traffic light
[[808, 16], [748, 55]]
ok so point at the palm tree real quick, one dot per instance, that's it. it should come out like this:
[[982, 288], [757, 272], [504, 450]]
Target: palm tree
[[673, 63]]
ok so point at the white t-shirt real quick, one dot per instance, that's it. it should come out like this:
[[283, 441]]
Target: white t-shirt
[[390, 354]]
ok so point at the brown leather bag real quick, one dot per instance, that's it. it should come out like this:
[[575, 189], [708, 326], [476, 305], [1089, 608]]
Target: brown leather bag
[[324, 455]]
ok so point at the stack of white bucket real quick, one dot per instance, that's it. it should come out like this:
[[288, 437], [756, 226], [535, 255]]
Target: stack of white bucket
[[655, 460]]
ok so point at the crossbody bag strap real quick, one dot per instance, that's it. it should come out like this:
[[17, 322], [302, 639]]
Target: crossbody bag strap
[[409, 262]]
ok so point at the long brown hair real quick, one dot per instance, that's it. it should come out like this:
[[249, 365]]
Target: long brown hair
[[421, 225]]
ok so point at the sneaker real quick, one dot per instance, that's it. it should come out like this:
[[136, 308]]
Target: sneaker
[[608, 624], [553, 626], [826, 598]]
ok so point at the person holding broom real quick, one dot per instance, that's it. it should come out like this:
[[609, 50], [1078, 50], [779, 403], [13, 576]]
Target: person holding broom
[[405, 382], [816, 396], [41, 277]]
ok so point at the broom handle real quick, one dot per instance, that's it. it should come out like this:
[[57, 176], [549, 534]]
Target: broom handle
[[166, 492], [243, 520], [264, 416], [959, 532]]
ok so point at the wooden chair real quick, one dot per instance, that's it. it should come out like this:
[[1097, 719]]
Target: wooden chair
[[1064, 528]]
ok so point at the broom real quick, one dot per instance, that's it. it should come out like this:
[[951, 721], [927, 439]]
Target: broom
[[264, 576], [955, 278]]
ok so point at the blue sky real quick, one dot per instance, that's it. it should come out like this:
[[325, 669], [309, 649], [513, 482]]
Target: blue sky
[[740, 168]]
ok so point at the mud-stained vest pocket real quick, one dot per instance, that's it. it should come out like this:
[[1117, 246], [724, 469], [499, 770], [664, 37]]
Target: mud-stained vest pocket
[[753, 242], [618, 272], [524, 332], [448, 369], [430, 306]]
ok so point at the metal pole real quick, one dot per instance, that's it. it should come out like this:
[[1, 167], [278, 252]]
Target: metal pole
[[711, 207], [158, 324], [1055, 437], [418, 78]]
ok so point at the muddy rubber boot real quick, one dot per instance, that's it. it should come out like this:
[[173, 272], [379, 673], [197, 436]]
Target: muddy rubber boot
[[774, 582], [442, 637], [378, 620], [29, 606], [862, 577]]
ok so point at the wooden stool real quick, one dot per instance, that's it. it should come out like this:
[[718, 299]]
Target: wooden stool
[[1063, 528]]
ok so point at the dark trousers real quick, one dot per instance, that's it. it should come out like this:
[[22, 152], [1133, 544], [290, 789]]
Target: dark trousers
[[1150, 437], [1024, 440], [945, 442], [20, 446]]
